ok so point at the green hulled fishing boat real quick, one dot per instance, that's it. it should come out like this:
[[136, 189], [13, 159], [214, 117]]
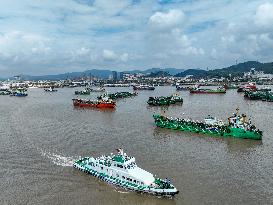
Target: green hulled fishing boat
[[259, 95], [82, 92], [238, 126], [5, 92], [121, 170], [170, 100], [117, 95]]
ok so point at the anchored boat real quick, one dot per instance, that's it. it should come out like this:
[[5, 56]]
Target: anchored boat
[[208, 91], [82, 92], [118, 95], [5, 92], [231, 86], [158, 101], [143, 87], [259, 95], [18, 93], [94, 103], [247, 87], [100, 89], [238, 126], [181, 87], [121, 170], [51, 89]]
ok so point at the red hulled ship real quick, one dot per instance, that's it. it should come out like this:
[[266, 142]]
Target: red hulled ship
[[94, 103]]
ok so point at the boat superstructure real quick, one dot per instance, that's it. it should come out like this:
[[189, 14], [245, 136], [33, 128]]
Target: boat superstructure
[[121, 170]]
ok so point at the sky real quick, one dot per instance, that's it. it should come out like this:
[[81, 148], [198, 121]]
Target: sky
[[39, 37]]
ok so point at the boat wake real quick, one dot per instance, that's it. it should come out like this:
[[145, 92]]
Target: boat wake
[[59, 160], [121, 191]]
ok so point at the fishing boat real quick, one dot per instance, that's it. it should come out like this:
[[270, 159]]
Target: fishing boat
[[159, 101], [181, 87], [5, 92], [122, 171], [143, 87], [238, 126], [18, 93], [208, 91], [118, 95], [94, 103], [259, 95], [247, 87], [231, 86], [51, 89], [264, 89], [82, 92], [99, 89]]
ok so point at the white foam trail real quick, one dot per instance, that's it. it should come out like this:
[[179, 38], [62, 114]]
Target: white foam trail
[[120, 190], [59, 159]]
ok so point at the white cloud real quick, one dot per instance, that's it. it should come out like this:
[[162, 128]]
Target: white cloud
[[44, 37], [124, 57], [167, 20], [109, 55], [264, 15]]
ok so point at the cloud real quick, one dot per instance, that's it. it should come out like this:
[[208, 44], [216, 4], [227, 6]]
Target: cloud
[[167, 20], [264, 15], [109, 55], [45, 37]]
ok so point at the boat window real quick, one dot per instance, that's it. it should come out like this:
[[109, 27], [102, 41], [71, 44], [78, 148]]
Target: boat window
[[101, 168], [134, 181], [123, 177]]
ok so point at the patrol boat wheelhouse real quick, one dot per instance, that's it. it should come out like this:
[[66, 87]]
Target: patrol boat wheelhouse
[[121, 170]]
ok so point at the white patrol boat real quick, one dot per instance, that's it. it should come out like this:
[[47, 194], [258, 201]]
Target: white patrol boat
[[121, 170]]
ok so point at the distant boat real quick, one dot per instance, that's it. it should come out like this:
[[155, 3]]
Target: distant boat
[[100, 89], [94, 103], [181, 87], [143, 87], [208, 91], [51, 89], [82, 92], [5, 92], [18, 93], [247, 87]]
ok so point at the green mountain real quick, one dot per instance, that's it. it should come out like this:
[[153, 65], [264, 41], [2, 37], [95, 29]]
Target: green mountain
[[158, 74], [237, 70]]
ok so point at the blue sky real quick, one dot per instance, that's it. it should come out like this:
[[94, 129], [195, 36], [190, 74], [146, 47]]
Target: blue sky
[[47, 37]]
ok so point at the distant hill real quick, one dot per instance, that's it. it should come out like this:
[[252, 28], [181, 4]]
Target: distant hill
[[93, 72], [238, 70], [158, 74], [171, 71], [104, 74]]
